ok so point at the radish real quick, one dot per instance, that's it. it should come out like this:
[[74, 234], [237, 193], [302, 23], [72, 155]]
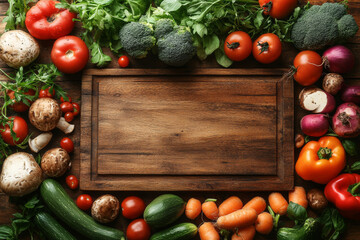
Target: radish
[[316, 100], [351, 94], [315, 125], [346, 121]]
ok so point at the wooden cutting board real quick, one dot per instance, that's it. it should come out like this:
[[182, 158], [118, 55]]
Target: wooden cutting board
[[181, 130]]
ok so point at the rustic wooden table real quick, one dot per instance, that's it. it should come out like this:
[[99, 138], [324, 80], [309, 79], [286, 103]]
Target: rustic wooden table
[[72, 84]]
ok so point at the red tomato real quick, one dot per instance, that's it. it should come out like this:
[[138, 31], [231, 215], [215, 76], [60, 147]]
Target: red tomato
[[69, 116], [132, 207], [70, 54], [67, 144], [45, 21], [66, 107], [308, 65], [267, 48], [84, 202], [138, 230], [20, 106], [76, 109], [20, 128], [123, 61], [47, 93], [238, 46], [72, 182], [279, 9], [63, 100]]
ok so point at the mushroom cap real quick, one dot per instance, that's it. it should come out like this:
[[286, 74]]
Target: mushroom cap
[[55, 162], [44, 114], [20, 174], [105, 208], [18, 48]]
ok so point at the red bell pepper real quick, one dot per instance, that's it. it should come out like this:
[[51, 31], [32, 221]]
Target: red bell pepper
[[45, 21], [343, 192]]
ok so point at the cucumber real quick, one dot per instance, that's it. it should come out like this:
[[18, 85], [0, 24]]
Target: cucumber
[[164, 210], [51, 228], [182, 231], [59, 203]]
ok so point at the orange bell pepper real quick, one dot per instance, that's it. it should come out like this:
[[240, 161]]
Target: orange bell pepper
[[321, 161]]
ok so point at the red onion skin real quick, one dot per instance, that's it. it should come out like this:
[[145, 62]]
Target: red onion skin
[[346, 121], [339, 59], [330, 106], [315, 125], [351, 94]]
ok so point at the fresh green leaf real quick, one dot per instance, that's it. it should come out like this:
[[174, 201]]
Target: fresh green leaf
[[222, 59], [20, 225], [199, 28], [259, 19], [103, 2], [333, 224], [355, 167], [138, 7], [296, 212], [171, 5], [211, 43], [6, 232], [350, 147]]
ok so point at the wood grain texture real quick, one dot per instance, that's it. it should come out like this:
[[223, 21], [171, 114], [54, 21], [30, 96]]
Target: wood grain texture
[[209, 131]]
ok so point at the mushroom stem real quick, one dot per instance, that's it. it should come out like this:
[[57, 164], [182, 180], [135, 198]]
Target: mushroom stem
[[40, 141], [64, 126]]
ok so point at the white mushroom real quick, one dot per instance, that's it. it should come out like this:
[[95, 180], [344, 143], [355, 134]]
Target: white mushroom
[[105, 208], [44, 114], [40, 141], [64, 126], [55, 162], [20, 174], [18, 48]]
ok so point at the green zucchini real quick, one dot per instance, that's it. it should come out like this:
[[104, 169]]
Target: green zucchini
[[182, 231], [164, 210], [51, 228], [59, 202]]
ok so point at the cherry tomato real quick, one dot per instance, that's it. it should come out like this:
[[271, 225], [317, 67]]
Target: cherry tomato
[[238, 46], [66, 107], [308, 67], [69, 116], [267, 48], [123, 61], [132, 207], [138, 230], [279, 9], [72, 181], [47, 93], [70, 54], [20, 128], [20, 106], [76, 110], [63, 100], [67, 144], [84, 202]]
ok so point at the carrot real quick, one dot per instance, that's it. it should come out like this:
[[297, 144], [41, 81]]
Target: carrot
[[264, 223], [210, 209], [238, 219], [193, 208], [278, 203], [230, 205], [298, 195], [247, 233], [207, 231], [257, 203]]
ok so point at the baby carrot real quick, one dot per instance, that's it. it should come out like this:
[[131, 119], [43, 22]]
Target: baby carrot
[[230, 205], [264, 223], [257, 203], [278, 203], [238, 219], [247, 233], [298, 195], [207, 231], [193, 208], [210, 209]]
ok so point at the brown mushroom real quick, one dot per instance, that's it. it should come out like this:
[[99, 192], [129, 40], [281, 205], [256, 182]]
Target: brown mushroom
[[55, 162], [45, 114], [40, 141], [20, 174], [105, 208]]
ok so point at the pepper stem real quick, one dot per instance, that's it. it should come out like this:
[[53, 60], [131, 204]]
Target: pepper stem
[[354, 188], [324, 153]]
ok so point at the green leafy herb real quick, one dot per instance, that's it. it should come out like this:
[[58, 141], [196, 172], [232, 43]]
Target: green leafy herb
[[355, 167], [16, 13], [333, 224], [350, 147], [296, 213]]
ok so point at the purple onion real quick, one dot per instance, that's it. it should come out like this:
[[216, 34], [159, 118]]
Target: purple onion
[[339, 59]]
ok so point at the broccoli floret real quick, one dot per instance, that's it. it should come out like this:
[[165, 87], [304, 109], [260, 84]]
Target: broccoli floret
[[137, 38], [323, 25], [163, 27], [175, 47]]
